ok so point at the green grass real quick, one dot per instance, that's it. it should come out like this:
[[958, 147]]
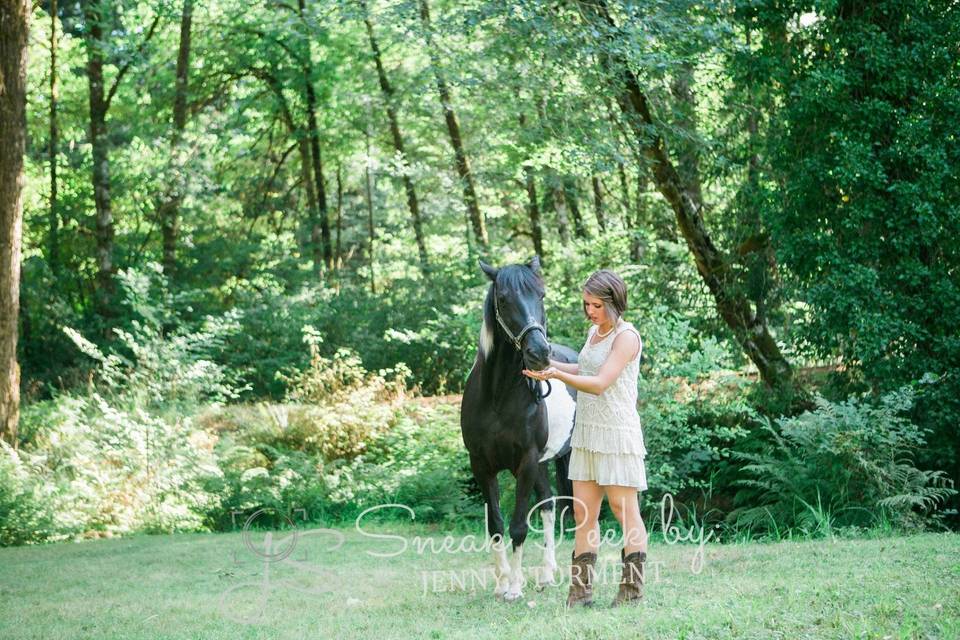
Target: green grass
[[174, 586]]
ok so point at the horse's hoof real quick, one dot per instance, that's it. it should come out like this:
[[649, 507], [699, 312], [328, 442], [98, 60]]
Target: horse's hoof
[[546, 577], [511, 596]]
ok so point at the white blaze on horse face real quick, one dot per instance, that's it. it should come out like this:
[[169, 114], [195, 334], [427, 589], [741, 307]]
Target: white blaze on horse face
[[501, 567], [486, 338], [560, 414], [516, 575]]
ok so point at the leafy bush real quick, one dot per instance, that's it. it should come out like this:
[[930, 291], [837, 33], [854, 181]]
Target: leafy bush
[[692, 407], [424, 324], [417, 459], [25, 514], [101, 470], [149, 366], [846, 463]]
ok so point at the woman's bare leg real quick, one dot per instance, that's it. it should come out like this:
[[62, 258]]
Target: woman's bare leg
[[626, 508], [588, 496]]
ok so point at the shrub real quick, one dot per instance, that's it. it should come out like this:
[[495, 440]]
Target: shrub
[[101, 470], [844, 464], [25, 514]]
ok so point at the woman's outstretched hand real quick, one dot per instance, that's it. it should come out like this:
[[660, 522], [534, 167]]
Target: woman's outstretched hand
[[546, 374]]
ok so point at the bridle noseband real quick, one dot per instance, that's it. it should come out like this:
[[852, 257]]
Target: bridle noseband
[[531, 326]]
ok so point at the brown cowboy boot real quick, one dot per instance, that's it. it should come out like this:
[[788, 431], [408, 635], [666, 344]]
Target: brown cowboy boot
[[581, 579], [631, 578]]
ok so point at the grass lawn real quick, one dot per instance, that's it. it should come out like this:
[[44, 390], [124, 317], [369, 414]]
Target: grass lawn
[[212, 586]]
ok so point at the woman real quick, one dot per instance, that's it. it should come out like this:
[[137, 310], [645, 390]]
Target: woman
[[607, 447]]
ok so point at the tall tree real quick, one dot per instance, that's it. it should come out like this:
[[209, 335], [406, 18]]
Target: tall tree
[[598, 202], [572, 196], [555, 185], [95, 18], [99, 104], [170, 209], [14, 28], [339, 247], [53, 242], [390, 103], [533, 204], [749, 329], [320, 235], [456, 139], [368, 188]]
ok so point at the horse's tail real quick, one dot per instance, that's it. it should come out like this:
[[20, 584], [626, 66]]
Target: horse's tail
[[564, 504]]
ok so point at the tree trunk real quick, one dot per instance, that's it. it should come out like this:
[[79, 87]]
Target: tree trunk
[[750, 331], [598, 203], [14, 27], [307, 174], [53, 243], [170, 209], [559, 205], [456, 140], [625, 190], [368, 183], [388, 99], [688, 157], [533, 208], [339, 252], [533, 204], [555, 184], [636, 246], [320, 234], [570, 191], [101, 158]]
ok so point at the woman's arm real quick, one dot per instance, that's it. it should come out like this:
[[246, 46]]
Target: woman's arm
[[625, 347], [566, 367]]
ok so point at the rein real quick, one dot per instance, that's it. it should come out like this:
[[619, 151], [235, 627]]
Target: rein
[[532, 384]]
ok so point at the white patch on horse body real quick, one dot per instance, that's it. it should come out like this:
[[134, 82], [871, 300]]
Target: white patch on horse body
[[501, 567], [486, 338], [516, 575], [560, 413]]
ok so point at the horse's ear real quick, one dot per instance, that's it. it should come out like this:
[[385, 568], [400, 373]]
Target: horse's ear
[[490, 271], [534, 265]]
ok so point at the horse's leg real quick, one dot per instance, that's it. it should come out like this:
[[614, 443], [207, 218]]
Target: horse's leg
[[490, 489], [565, 488], [547, 516], [526, 478]]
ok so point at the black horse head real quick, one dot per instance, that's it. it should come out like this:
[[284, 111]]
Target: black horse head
[[514, 311]]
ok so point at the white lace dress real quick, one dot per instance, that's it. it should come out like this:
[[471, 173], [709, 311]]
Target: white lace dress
[[607, 444]]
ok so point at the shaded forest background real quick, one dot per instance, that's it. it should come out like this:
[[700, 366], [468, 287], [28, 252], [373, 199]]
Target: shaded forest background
[[251, 232]]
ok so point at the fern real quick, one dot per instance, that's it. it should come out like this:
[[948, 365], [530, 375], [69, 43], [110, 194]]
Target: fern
[[843, 464]]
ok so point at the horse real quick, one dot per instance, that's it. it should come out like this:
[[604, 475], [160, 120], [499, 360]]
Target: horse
[[509, 421]]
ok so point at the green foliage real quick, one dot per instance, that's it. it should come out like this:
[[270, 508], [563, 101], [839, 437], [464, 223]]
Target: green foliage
[[843, 464], [148, 367], [96, 469], [26, 513], [822, 136], [863, 203], [417, 459], [693, 413], [430, 326]]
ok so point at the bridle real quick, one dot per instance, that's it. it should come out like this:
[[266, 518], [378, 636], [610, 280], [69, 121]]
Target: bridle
[[533, 325]]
